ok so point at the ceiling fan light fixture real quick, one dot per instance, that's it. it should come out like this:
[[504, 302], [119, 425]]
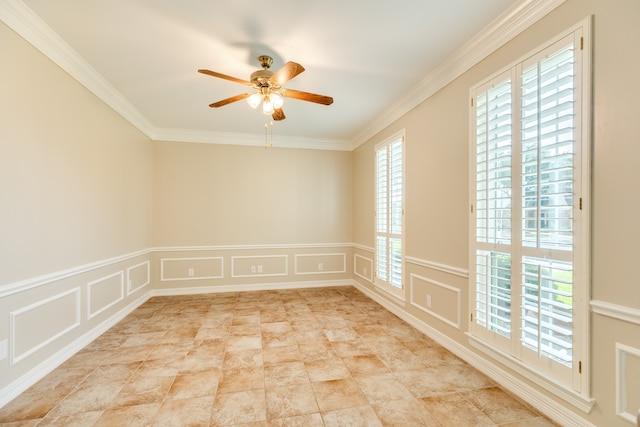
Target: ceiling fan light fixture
[[277, 100], [267, 106], [254, 100]]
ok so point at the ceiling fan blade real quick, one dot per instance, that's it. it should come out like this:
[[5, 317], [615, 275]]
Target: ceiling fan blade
[[229, 100], [307, 96], [224, 76], [278, 114], [286, 73]]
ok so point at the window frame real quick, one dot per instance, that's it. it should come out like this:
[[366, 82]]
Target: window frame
[[384, 285], [576, 390]]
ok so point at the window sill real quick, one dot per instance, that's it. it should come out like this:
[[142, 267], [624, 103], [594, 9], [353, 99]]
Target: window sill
[[578, 400]]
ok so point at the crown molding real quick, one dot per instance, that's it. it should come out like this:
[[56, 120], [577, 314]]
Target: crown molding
[[22, 20], [17, 16], [231, 138], [504, 28]]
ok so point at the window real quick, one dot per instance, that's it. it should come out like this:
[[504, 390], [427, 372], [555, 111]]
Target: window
[[529, 228], [389, 195]]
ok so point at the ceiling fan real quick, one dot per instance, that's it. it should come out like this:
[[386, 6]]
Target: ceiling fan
[[268, 88]]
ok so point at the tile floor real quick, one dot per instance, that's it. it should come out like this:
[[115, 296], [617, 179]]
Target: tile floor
[[311, 357]]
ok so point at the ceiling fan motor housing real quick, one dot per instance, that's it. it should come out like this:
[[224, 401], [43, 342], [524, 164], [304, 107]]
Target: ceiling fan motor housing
[[261, 77]]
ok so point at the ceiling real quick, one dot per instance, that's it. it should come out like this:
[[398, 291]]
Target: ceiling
[[371, 56]]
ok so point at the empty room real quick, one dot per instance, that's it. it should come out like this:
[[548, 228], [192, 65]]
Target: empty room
[[409, 213]]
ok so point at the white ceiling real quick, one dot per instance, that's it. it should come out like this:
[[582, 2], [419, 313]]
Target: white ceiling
[[366, 54]]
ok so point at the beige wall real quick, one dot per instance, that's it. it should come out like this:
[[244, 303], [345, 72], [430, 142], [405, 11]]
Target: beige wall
[[211, 195], [75, 178], [237, 217], [437, 189], [76, 188]]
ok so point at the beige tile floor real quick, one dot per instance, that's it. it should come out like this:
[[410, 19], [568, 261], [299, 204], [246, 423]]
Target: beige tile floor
[[312, 357]]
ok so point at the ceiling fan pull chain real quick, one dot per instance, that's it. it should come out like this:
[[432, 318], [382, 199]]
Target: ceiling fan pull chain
[[268, 136]]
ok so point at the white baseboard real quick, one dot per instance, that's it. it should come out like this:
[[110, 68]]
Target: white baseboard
[[11, 391], [250, 287], [540, 401]]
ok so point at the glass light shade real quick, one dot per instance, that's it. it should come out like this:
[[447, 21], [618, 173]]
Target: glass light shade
[[267, 106], [277, 100], [254, 100]]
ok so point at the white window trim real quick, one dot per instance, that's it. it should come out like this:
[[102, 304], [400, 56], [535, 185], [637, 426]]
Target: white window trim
[[579, 394], [397, 293]]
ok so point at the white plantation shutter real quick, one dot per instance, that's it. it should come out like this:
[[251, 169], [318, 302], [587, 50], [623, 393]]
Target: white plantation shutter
[[382, 214], [527, 174], [493, 163], [493, 291], [389, 194], [547, 151], [548, 140], [493, 119], [547, 308]]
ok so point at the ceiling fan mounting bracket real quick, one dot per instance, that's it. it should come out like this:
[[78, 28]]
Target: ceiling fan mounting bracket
[[265, 61]]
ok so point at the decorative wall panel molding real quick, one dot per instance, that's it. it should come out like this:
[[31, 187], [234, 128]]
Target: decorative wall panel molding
[[138, 276], [436, 299], [36, 325], [191, 268], [104, 293], [627, 384], [363, 267], [259, 266], [323, 263]]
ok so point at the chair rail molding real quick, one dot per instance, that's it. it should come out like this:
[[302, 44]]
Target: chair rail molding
[[616, 311]]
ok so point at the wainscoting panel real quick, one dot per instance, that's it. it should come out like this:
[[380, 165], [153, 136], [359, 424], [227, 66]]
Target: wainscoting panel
[[363, 267], [442, 301], [627, 382], [104, 293], [327, 263], [36, 325], [259, 266], [198, 268], [47, 319], [138, 276]]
